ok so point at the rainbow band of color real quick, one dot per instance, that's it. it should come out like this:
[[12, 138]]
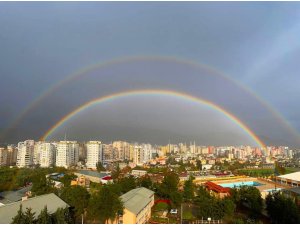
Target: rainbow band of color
[[179, 95], [161, 58]]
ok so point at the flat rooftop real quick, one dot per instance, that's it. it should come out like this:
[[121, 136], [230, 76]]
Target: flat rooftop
[[92, 173]]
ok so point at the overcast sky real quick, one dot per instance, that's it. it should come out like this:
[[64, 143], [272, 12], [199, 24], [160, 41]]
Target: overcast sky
[[254, 43]]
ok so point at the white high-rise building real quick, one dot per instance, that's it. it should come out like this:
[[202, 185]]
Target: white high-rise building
[[25, 153], [36, 152], [47, 154], [137, 154], [67, 153], [94, 154], [146, 152]]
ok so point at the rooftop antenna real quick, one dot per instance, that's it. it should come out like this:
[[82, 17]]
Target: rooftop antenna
[[65, 137]]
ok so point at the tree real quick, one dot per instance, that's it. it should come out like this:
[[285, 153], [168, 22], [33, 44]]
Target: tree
[[29, 216], [20, 217], [104, 205], [59, 216], [228, 206], [41, 185], [199, 164], [44, 217], [282, 209], [127, 184], [188, 189], [145, 181], [250, 197], [100, 167], [67, 178], [115, 174], [62, 216], [176, 198], [169, 184], [77, 197]]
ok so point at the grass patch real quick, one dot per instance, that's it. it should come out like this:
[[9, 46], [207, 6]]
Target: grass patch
[[161, 206], [264, 172], [187, 215]]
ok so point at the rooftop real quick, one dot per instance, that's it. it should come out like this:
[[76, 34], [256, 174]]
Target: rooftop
[[217, 188], [93, 173], [7, 212], [136, 199], [292, 176], [7, 197]]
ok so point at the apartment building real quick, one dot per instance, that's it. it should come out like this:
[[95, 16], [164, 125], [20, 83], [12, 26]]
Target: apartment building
[[94, 154], [67, 153], [25, 153]]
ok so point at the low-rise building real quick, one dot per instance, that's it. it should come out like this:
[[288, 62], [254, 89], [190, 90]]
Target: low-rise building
[[37, 204], [7, 197], [93, 176], [217, 190], [291, 179], [137, 206], [138, 173]]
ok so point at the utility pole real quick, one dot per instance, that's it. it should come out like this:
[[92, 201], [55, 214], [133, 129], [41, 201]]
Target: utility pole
[[181, 213]]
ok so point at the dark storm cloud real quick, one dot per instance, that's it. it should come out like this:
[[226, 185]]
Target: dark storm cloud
[[41, 43]]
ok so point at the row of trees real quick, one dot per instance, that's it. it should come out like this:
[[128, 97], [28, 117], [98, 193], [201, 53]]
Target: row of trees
[[60, 216], [14, 178], [282, 209], [210, 206]]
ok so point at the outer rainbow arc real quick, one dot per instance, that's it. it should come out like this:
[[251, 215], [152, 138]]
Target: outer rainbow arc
[[166, 58], [156, 92]]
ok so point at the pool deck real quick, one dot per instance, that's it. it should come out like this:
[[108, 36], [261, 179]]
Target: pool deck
[[262, 188]]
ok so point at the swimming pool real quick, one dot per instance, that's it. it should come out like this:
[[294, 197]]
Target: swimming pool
[[239, 184]]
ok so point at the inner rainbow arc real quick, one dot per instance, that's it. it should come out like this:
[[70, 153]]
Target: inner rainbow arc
[[179, 95]]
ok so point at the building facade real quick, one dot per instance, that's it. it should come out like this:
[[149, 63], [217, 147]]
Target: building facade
[[137, 206], [25, 153], [67, 153], [94, 154]]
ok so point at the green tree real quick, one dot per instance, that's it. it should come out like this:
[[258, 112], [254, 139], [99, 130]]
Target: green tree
[[176, 198], [115, 174], [189, 188], [20, 217], [67, 178], [29, 216], [23, 177], [100, 167], [77, 197], [104, 205], [59, 216], [44, 217], [250, 197], [169, 184], [228, 206], [145, 181], [199, 164], [7, 176], [282, 209], [41, 185], [127, 184], [62, 216]]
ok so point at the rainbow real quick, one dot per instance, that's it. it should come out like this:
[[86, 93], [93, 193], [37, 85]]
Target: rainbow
[[154, 92], [89, 68]]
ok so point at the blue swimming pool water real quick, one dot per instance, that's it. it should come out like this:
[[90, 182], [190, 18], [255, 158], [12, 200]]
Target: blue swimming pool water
[[239, 184]]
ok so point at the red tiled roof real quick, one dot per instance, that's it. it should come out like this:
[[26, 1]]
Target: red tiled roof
[[107, 178], [217, 188]]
